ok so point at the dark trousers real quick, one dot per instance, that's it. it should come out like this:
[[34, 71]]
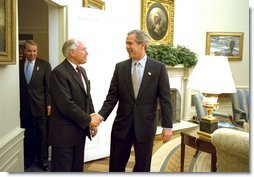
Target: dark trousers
[[35, 141], [68, 159], [120, 153]]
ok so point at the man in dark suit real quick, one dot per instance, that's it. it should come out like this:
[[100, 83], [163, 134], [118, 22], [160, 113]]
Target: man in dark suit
[[71, 108], [136, 87], [34, 104]]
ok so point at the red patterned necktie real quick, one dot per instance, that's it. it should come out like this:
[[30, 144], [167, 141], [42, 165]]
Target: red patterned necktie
[[79, 72]]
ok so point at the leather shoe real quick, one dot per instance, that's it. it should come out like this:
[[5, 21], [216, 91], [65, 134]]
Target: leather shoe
[[28, 165], [45, 167]]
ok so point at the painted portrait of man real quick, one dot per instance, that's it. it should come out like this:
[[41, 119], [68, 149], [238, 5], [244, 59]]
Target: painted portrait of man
[[157, 21]]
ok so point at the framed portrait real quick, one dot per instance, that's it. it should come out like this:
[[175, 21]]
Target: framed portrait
[[157, 20], [94, 4], [7, 32], [225, 44]]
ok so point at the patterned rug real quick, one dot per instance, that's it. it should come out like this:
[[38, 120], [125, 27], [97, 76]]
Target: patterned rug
[[167, 158]]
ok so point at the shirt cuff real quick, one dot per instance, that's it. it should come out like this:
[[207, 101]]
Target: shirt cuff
[[167, 128]]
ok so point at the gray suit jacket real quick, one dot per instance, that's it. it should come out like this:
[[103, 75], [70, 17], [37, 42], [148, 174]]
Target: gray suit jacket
[[142, 110]]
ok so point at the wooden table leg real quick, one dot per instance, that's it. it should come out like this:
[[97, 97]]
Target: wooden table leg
[[213, 163], [182, 154]]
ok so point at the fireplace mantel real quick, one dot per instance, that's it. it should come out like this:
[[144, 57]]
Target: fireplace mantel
[[179, 78]]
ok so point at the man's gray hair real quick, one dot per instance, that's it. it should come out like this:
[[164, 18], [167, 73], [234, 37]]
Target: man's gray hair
[[68, 45], [141, 36]]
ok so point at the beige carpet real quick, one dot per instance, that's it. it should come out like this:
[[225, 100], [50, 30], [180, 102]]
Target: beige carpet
[[167, 159]]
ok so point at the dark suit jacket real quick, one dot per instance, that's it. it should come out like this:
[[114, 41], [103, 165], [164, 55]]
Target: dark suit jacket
[[71, 107], [35, 95], [141, 111]]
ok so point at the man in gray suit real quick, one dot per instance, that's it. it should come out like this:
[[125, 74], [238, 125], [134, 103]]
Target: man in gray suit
[[34, 104], [136, 87], [71, 108]]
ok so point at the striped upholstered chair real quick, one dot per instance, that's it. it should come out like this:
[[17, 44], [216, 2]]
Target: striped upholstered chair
[[225, 120], [240, 106]]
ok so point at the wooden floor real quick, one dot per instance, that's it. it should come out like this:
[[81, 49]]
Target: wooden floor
[[102, 165]]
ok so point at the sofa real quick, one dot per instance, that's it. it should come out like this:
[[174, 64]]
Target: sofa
[[232, 150]]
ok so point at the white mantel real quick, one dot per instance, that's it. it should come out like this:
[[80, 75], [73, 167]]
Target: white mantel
[[178, 78]]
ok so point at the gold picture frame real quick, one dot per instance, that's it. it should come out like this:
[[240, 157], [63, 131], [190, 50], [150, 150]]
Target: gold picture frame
[[225, 44], [95, 4], [7, 32], [157, 20]]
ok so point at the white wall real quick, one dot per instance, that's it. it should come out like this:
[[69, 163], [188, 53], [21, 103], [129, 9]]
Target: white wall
[[9, 96], [104, 34], [194, 18]]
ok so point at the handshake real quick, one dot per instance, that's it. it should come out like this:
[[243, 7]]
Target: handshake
[[96, 119]]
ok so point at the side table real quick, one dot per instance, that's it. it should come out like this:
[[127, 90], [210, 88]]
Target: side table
[[192, 139]]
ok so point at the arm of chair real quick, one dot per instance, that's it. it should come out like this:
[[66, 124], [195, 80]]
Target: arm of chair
[[231, 141], [225, 115], [242, 114], [232, 150], [220, 114]]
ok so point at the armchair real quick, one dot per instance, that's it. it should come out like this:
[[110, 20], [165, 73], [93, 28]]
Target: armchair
[[225, 120], [232, 150], [240, 106]]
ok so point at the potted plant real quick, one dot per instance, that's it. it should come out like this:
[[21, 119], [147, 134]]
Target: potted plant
[[171, 55]]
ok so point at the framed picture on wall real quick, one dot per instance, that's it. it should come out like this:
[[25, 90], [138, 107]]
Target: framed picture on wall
[[7, 32], [225, 44], [94, 4], [157, 19]]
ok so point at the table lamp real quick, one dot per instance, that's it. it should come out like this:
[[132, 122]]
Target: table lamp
[[211, 76]]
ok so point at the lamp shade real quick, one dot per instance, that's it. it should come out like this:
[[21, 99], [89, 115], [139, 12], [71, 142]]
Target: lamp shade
[[212, 74]]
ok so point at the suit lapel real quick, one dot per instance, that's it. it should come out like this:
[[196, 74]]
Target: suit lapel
[[145, 80], [127, 77], [86, 80], [146, 77], [74, 74]]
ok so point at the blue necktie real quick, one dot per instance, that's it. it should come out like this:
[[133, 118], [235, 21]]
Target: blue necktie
[[28, 73]]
